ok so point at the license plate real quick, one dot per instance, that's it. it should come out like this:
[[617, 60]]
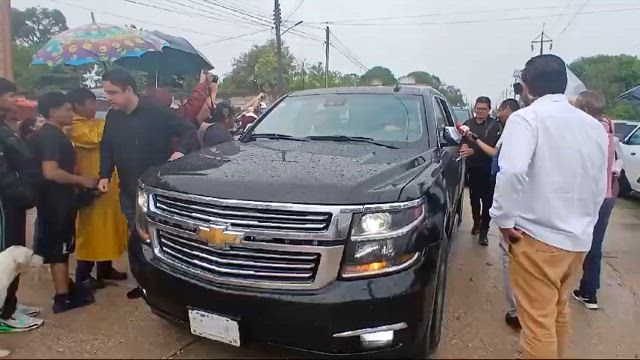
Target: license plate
[[214, 327]]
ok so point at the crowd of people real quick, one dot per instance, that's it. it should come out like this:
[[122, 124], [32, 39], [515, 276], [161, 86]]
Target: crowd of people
[[81, 173], [552, 224]]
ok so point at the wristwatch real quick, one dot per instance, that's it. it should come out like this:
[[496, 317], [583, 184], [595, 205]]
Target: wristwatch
[[474, 137]]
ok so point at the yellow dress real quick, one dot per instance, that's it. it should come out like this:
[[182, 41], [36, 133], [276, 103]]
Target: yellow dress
[[101, 229]]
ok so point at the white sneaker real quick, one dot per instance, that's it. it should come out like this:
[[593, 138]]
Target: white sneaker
[[20, 323], [27, 310], [4, 353]]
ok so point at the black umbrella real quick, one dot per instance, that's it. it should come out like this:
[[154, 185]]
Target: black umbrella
[[633, 94], [178, 58]]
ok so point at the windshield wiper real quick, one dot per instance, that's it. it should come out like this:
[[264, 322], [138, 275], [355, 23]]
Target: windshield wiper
[[349, 138], [276, 136]]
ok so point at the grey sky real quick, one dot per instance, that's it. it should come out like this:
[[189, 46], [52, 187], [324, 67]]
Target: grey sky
[[467, 45]]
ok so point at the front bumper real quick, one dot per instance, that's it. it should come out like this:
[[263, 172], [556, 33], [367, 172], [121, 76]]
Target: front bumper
[[305, 320]]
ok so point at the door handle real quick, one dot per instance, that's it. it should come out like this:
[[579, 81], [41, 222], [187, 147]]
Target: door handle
[[633, 154]]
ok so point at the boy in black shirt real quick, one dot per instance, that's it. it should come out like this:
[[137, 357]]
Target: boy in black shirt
[[57, 199]]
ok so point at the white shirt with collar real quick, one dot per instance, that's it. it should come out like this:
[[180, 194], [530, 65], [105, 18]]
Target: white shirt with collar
[[552, 178]]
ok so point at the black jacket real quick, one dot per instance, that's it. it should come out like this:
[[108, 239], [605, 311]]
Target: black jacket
[[20, 173], [137, 141], [489, 132]]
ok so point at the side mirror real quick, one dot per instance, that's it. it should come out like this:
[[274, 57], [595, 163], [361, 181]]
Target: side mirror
[[451, 136]]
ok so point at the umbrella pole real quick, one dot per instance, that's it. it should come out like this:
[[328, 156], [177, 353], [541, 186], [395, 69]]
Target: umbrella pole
[[156, 79]]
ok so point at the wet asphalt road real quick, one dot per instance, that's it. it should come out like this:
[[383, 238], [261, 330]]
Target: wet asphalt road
[[119, 328]]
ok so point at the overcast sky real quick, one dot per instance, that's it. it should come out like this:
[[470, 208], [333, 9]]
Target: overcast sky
[[474, 45]]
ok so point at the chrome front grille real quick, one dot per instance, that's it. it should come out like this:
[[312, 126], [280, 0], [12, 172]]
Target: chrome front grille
[[239, 217], [238, 262]]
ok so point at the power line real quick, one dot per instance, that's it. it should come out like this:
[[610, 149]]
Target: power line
[[573, 18], [173, 10], [129, 18], [294, 10], [474, 21], [231, 38], [234, 11], [349, 21], [231, 17], [350, 53]]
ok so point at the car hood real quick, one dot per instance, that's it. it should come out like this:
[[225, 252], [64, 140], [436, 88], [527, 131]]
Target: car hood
[[314, 172]]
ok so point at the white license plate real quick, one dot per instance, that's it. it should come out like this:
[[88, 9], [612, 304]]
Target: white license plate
[[214, 327]]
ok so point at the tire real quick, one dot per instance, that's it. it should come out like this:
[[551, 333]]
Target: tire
[[625, 186], [435, 329]]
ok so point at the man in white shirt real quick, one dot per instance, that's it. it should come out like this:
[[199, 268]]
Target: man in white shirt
[[551, 184]]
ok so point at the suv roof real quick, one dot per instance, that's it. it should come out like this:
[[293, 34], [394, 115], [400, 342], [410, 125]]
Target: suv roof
[[404, 90]]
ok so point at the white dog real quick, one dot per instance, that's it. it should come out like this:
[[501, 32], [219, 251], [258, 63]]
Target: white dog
[[14, 261]]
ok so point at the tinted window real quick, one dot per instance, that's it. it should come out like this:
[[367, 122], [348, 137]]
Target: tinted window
[[623, 130], [634, 139], [447, 112], [382, 117]]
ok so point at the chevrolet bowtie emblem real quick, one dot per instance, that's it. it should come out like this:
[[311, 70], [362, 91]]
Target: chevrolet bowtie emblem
[[217, 236]]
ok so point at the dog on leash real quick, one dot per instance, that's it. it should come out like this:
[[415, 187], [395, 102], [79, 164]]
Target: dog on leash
[[14, 261]]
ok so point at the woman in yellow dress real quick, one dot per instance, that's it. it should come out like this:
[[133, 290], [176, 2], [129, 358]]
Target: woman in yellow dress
[[101, 229]]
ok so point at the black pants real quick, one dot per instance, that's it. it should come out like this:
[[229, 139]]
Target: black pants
[[481, 186], [84, 269], [14, 234]]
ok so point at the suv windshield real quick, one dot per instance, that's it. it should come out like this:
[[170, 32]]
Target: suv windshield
[[377, 117]]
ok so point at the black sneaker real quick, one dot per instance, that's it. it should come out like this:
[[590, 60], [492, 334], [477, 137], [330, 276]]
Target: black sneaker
[[66, 302], [97, 284], [590, 302], [113, 275], [513, 322], [476, 228], [483, 239], [135, 293]]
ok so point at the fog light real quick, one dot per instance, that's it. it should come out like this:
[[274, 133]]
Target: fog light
[[377, 340]]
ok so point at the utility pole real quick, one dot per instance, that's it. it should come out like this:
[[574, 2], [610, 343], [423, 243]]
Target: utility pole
[[326, 61], [304, 73], [6, 57], [540, 40], [277, 15]]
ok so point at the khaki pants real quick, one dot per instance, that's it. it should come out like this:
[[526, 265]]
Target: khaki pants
[[542, 277]]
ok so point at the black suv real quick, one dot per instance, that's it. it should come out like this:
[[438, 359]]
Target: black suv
[[325, 228]]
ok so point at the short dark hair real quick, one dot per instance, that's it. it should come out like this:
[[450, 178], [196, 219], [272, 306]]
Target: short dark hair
[[80, 95], [50, 101], [221, 112], [592, 102], [6, 86], [121, 78], [484, 100], [544, 75], [511, 104]]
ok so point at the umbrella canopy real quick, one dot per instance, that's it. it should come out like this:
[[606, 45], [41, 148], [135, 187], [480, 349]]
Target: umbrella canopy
[[633, 94], [95, 43], [178, 57]]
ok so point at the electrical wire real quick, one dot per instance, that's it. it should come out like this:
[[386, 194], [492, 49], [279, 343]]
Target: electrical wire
[[295, 10], [129, 18], [231, 38], [493, 20], [231, 17], [173, 10], [338, 22], [572, 18]]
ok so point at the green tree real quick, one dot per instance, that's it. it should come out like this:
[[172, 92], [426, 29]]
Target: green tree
[[612, 75], [255, 69], [378, 75], [36, 25], [423, 77]]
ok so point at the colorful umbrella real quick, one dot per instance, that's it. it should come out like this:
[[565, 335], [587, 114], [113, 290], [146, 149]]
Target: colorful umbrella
[[95, 43]]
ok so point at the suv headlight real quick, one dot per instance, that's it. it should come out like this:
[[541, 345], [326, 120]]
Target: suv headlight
[[142, 207], [383, 242]]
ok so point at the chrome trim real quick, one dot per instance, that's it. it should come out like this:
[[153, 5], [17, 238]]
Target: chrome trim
[[326, 273], [394, 327], [390, 234], [392, 269]]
